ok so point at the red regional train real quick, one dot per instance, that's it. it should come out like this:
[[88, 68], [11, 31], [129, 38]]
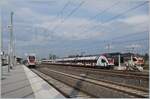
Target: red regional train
[[125, 57], [31, 61]]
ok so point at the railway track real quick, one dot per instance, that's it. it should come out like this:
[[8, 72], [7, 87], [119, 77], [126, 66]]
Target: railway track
[[93, 87], [67, 91], [95, 68], [124, 79]]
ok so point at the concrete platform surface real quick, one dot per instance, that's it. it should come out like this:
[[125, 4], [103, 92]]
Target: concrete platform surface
[[21, 82]]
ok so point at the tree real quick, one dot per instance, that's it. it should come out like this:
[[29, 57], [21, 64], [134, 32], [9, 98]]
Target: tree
[[146, 56], [43, 59], [52, 56]]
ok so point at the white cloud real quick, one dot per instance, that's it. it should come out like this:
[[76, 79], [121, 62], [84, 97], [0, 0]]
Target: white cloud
[[113, 7], [27, 14], [75, 27], [134, 46], [23, 12], [72, 28], [138, 19], [130, 24], [4, 3], [39, 40]]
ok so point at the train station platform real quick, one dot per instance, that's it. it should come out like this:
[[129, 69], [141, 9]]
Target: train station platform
[[21, 82]]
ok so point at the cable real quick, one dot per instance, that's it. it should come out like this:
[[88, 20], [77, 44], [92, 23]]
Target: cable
[[127, 11], [128, 35], [61, 11], [100, 13], [73, 11], [135, 7], [120, 42], [104, 10], [65, 6]]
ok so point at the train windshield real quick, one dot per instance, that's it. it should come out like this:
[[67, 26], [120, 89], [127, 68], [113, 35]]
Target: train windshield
[[103, 61], [32, 57], [134, 59]]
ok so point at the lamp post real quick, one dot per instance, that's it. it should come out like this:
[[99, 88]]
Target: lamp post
[[1, 44], [11, 53], [119, 66]]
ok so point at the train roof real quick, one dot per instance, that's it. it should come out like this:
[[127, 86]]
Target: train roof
[[119, 53], [88, 58], [47, 60], [78, 58]]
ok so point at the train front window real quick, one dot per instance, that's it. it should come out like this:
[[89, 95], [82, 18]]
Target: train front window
[[103, 61], [31, 57], [134, 59]]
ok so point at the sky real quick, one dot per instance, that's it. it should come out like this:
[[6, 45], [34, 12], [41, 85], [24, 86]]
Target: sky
[[70, 27]]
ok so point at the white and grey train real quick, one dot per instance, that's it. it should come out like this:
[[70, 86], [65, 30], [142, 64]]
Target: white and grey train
[[96, 60], [127, 61]]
